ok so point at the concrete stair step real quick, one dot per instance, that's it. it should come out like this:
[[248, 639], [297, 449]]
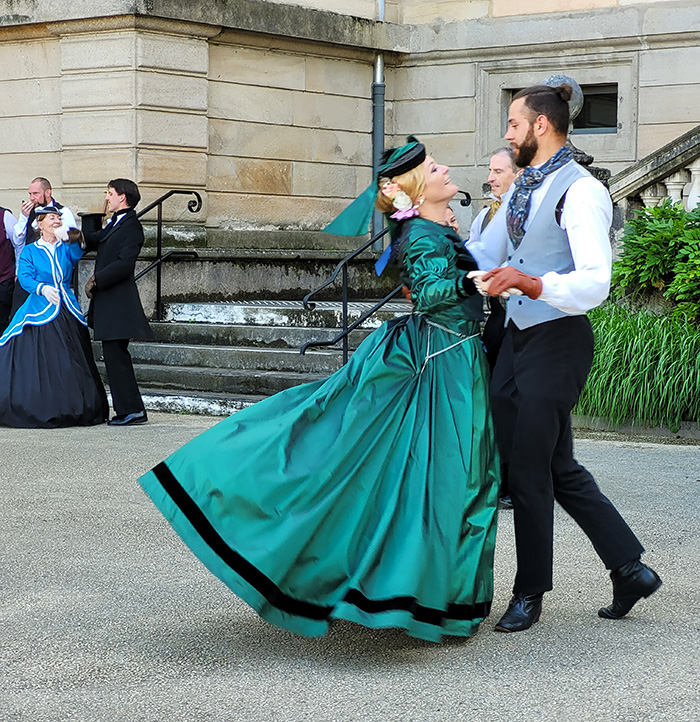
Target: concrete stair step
[[234, 357], [201, 402], [221, 334], [218, 380], [282, 313]]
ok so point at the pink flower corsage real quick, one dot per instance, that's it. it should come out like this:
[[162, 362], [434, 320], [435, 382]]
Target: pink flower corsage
[[411, 212], [400, 200]]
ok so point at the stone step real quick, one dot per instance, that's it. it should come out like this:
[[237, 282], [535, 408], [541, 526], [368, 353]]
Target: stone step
[[326, 314], [218, 275], [234, 357], [202, 402], [222, 334], [217, 380]]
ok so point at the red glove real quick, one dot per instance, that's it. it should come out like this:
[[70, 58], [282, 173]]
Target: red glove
[[507, 277]]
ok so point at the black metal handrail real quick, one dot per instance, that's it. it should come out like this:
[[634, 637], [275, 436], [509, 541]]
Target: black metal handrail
[[347, 330], [193, 206], [341, 267]]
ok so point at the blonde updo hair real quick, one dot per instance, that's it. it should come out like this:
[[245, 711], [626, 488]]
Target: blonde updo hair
[[412, 183]]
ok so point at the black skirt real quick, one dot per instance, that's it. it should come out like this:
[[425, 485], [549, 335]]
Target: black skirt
[[48, 377]]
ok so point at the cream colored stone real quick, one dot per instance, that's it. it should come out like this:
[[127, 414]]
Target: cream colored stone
[[669, 66], [518, 7], [172, 168], [235, 210], [182, 130], [40, 96], [357, 8], [678, 103], [172, 52], [256, 66], [452, 149], [651, 137], [33, 134], [171, 91], [246, 175], [18, 169], [316, 110], [339, 77], [364, 178], [107, 127], [337, 146], [434, 116], [30, 59], [259, 141], [252, 103], [96, 165], [320, 179], [434, 81], [98, 51], [97, 90], [424, 11]]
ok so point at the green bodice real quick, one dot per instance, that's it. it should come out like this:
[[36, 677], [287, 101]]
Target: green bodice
[[433, 262]]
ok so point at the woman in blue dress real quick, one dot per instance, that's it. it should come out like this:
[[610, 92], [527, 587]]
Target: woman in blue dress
[[48, 376], [369, 496]]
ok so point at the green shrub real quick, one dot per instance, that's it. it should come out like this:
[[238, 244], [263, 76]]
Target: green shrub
[[646, 369], [661, 254]]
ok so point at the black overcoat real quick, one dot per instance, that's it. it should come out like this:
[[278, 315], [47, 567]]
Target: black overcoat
[[115, 310]]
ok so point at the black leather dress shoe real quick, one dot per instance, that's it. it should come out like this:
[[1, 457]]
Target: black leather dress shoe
[[523, 611], [139, 417], [631, 582]]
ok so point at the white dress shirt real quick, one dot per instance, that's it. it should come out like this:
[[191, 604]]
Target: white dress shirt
[[488, 247], [586, 218], [10, 222]]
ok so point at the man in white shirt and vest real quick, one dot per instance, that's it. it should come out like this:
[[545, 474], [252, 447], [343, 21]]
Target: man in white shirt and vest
[[559, 257], [26, 231]]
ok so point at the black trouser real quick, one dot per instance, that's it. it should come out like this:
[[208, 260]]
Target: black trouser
[[492, 338], [6, 290], [126, 398], [537, 380]]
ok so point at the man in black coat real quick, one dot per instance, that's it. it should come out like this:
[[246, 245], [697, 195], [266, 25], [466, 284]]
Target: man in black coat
[[115, 312]]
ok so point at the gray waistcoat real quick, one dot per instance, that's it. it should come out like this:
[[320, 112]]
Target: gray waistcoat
[[545, 247]]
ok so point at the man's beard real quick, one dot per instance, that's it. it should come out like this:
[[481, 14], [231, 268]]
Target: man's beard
[[525, 152]]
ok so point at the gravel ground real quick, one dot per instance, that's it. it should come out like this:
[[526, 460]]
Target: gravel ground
[[107, 616]]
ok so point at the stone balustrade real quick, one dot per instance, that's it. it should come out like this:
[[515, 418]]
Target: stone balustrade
[[670, 172]]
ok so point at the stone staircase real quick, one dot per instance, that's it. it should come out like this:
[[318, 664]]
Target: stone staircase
[[216, 358]]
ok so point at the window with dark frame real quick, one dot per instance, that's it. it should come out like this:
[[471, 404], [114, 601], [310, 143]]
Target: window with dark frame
[[599, 112]]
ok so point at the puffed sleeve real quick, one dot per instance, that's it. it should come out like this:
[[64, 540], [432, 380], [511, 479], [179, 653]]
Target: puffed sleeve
[[434, 281], [27, 274]]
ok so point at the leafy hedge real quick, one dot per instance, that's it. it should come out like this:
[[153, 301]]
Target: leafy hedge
[[661, 255], [646, 368]]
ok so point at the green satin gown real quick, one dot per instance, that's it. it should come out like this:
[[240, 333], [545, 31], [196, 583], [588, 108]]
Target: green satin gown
[[369, 496]]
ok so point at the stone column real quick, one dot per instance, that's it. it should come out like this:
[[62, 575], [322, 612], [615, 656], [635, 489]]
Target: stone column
[[653, 195], [693, 197], [675, 184], [134, 98]]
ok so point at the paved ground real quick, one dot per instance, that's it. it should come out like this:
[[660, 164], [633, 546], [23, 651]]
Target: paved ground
[[107, 616]]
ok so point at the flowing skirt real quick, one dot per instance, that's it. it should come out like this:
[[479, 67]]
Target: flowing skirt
[[48, 377], [369, 496]]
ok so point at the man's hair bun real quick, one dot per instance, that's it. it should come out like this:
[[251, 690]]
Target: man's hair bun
[[564, 91]]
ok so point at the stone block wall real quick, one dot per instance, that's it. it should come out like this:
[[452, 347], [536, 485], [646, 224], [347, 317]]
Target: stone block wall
[[264, 108], [289, 139]]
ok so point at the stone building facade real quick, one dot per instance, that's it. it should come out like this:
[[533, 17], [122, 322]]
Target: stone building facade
[[265, 108]]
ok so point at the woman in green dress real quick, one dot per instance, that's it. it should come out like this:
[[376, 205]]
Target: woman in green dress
[[369, 496]]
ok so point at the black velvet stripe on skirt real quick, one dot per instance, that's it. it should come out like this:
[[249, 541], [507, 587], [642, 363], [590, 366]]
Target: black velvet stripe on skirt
[[48, 377]]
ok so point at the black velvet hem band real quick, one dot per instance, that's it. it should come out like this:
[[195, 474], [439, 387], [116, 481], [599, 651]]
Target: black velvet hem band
[[277, 598]]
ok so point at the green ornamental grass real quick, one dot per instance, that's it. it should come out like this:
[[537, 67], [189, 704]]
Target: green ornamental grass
[[646, 369]]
